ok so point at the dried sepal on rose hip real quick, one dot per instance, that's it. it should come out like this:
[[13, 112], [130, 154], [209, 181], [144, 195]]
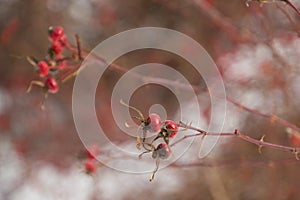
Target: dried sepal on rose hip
[[150, 124], [49, 85]]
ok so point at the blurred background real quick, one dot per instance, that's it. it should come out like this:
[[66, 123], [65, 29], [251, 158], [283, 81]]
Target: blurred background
[[256, 49]]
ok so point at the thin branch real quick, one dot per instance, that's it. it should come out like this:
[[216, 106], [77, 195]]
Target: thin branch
[[290, 19], [260, 143], [78, 44], [272, 118], [237, 162]]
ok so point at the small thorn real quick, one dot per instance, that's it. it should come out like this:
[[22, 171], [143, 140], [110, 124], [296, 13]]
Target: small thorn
[[259, 149], [203, 136], [236, 131], [262, 138], [296, 154]]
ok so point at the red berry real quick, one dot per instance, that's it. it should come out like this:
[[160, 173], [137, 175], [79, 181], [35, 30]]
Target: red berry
[[43, 68], [90, 166], [172, 127], [162, 150], [56, 47], [93, 151], [51, 84], [56, 33], [154, 122], [63, 40]]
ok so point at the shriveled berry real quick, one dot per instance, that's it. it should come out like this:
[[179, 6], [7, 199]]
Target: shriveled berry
[[56, 33], [163, 151], [90, 166], [153, 123], [51, 85], [92, 151], [172, 127], [56, 47], [43, 68]]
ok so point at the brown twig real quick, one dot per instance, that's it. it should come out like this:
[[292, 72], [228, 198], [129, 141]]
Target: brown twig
[[272, 118], [78, 44], [237, 162], [260, 143]]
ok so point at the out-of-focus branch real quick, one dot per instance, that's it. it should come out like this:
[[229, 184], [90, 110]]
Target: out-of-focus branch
[[272, 118], [223, 22]]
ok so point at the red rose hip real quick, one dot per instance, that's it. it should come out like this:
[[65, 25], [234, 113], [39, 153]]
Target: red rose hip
[[172, 127], [56, 47], [51, 84], [43, 68], [56, 33], [163, 151], [90, 166], [153, 122]]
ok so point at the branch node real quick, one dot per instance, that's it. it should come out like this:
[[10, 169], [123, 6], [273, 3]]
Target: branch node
[[260, 146], [273, 118], [204, 134]]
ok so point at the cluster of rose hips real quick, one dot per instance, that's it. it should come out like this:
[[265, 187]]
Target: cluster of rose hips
[[90, 155], [53, 67], [164, 130]]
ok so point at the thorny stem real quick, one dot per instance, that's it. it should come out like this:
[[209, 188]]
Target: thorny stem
[[273, 118], [260, 143], [239, 162]]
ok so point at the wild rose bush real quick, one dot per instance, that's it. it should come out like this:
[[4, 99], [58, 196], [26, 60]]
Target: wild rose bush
[[256, 49]]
